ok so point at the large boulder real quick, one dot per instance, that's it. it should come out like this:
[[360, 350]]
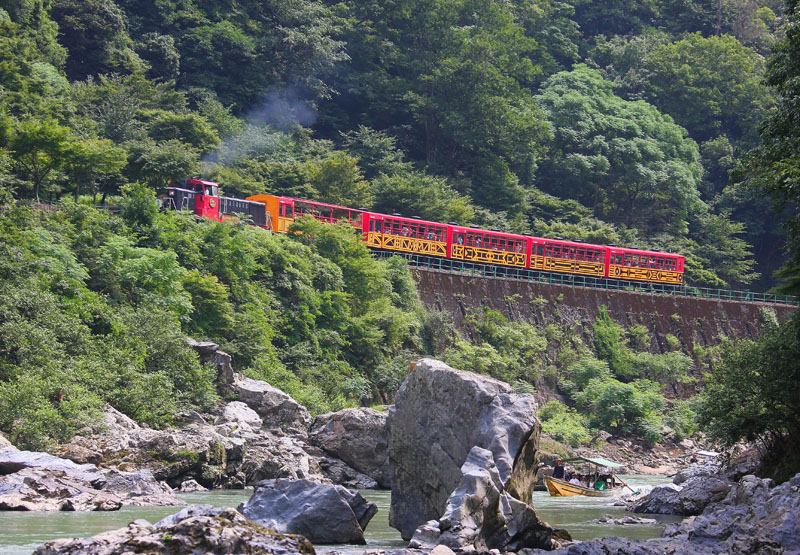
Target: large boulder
[[12, 461], [36, 489], [33, 481], [686, 500], [276, 408], [481, 515], [139, 489], [358, 437], [323, 513], [196, 529], [440, 414]]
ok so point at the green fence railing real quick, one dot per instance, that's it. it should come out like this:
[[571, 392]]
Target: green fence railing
[[522, 274]]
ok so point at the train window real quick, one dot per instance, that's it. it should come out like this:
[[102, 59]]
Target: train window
[[376, 225]]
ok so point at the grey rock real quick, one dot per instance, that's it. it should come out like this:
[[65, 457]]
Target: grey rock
[[342, 474], [209, 353], [198, 529], [37, 481], [755, 518], [694, 471], [139, 489], [358, 437], [482, 516], [5, 444], [190, 486], [623, 521], [276, 408], [690, 499], [12, 461], [322, 513], [439, 415], [40, 489], [226, 455], [239, 417]]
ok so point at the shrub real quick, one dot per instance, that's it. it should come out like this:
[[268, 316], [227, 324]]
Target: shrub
[[609, 344], [563, 423]]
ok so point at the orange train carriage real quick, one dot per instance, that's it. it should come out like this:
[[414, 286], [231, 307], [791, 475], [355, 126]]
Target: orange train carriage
[[414, 235]]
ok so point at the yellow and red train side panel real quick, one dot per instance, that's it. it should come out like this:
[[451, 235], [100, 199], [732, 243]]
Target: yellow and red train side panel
[[412, 235], [282, 211], [489, 247], [639, 265], [571, 257]]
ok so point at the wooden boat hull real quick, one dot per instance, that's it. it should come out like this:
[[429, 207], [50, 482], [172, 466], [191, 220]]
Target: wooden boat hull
[[560, 488]]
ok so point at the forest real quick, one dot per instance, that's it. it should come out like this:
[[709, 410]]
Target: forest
[[664, 124]]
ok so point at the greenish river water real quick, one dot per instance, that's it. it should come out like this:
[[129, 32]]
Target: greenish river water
[[22, 532]]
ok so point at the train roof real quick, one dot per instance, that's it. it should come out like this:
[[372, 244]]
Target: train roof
[[318, 203], [573, 243], [203, 181], [647, 252], [467, 228], [407, 219]]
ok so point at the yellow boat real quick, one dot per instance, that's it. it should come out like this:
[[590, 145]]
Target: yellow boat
[[562, 488]]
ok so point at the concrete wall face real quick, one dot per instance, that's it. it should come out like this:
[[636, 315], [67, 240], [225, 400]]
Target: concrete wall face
[[692, 321]]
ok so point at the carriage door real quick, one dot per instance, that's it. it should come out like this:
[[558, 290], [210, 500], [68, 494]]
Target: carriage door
[[375, 236]]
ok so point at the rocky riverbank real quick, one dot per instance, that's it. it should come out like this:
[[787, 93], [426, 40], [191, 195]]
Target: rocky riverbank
[[460, 451]]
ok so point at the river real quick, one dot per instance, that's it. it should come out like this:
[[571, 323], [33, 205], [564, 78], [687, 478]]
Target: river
[[22, 532]]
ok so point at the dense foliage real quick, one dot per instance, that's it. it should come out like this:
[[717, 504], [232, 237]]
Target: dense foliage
[[753, 395], [473, 111], [609, 122], [95, 309]]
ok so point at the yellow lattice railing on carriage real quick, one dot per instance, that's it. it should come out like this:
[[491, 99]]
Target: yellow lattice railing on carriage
[[407, 244], [488, 256], [645, 274], [579, 267]]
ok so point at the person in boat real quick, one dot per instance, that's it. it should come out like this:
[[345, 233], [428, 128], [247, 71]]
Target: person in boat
[[558, 469], [575, 481]]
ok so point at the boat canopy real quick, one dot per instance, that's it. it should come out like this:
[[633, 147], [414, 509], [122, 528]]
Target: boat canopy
[[709, 454], [595, 460]]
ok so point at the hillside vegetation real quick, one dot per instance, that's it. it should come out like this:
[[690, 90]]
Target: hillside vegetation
[[655, 124]]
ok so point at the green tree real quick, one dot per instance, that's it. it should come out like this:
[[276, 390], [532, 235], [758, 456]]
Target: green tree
[[418, 194], [338, 179], [609, 343], [158, 163], [94, 34], [625, 159], [710, 86], [39, 149], [774, 166], [191, 129], [91, 161], [752, 396], [160, 53]]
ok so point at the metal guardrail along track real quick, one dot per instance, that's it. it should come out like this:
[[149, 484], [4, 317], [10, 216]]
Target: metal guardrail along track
[[571, 280]]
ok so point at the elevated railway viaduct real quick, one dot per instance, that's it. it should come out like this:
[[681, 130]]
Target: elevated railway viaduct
[[693, 321]]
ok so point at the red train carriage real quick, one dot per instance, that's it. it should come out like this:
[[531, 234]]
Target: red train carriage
[[639, 265], [397, 233], [489, 247], [571, 257]]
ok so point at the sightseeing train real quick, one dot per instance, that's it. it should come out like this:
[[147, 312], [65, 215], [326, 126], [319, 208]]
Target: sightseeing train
[[413, 235]]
